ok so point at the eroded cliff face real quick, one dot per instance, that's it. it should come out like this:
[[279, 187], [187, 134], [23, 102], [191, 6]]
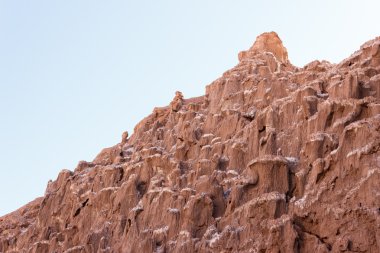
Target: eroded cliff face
[[273, 158]]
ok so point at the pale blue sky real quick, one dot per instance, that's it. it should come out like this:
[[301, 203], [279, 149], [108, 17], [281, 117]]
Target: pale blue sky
[[75, 74]]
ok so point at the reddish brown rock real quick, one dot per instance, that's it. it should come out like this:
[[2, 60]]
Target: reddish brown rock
[[267, 43], [273, 158]]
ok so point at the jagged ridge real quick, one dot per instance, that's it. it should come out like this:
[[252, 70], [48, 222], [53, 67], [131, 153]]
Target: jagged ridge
[[273, 158]]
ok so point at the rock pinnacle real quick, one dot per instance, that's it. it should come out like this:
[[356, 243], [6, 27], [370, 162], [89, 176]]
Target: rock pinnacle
[[267, 42]]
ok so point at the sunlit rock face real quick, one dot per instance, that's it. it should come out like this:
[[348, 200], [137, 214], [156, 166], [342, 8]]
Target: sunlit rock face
[[273, 158], [267, 43]]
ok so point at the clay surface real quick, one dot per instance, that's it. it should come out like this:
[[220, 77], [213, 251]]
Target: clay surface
[[273, 158]]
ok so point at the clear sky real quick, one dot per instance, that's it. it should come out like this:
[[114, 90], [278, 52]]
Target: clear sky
[[75, 74]]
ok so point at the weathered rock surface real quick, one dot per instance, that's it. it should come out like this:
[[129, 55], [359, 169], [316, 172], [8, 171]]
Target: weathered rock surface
[[273, 158]]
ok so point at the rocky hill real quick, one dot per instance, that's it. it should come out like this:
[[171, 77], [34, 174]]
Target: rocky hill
[[273, 158]]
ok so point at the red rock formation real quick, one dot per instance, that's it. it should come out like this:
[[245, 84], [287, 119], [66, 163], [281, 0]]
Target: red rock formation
[[273, 158]]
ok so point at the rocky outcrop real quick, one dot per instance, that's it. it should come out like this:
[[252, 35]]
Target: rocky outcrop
[[273, 158]]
